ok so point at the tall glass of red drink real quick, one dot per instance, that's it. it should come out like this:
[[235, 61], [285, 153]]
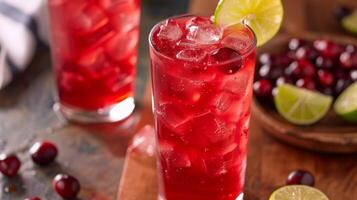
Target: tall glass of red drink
[[94, 50], [202, 78]]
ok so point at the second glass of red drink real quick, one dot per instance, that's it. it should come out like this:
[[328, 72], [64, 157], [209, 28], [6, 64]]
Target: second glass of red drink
[[94, 50]]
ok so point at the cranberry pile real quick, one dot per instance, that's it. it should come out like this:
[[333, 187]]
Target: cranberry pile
[[320, 65]]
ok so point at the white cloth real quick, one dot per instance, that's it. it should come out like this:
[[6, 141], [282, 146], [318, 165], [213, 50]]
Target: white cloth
[[23, 28]]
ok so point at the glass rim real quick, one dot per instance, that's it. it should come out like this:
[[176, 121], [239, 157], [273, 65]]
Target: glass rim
[[251, 48]]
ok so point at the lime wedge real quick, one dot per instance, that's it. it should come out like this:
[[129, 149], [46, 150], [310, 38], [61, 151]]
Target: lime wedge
[[263, 16], [346, 104], [297, 192], [350, 22], [301, 106]]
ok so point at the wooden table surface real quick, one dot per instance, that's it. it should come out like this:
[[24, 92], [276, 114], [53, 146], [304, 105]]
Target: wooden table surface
[[95, 153]]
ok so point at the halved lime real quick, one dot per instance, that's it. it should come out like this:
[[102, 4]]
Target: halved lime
[[346, 104], [350, 22], [297, 192], [263, 16], [301, 106]]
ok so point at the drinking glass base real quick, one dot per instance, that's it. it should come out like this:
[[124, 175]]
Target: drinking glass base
[[114, 113]]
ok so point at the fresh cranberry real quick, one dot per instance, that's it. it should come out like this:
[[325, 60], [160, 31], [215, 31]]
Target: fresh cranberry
[[43, 153], [66, 186], [341, 12], [264, 71], [300, 69], [306, 83], [325, 78], [348, 60], [340, 73], [328, 49], [281, 60], [324, 63], [33, 198], [341, 85], [300, 177], [326, 90], [9, 164], [227, 54], [295, 43], [263, 88], [265, 58], [350, 48], [306, 52], [283, 80], [353, 75]]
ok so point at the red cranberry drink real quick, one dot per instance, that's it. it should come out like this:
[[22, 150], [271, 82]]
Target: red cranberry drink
[[95, 53], [202, 77]]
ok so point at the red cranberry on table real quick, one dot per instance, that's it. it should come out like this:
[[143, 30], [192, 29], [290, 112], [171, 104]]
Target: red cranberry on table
[[9, 164], [263, 88], [43, 153], [66, 186], [300, 177], [325, 78], [33, 198]]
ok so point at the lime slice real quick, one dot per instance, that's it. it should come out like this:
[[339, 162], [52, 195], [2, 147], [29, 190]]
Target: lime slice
[[301, 106], [297, 192], [346, 104], [350, 22], [263, 16]]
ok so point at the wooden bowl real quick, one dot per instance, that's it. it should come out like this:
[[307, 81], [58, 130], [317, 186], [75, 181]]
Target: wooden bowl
[[331, 134]]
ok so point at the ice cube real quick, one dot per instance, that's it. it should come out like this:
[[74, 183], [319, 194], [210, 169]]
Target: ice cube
[[106, 4], [144, 141], [204, 129], [222, 159], [192, 55], [170, 31], [93, 61], [173, 115], [70, 82], [88, 19], [173, 156], [124, 16], [203, 31], [238, 40], [222, 102], [237, 83], [122, 46]]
